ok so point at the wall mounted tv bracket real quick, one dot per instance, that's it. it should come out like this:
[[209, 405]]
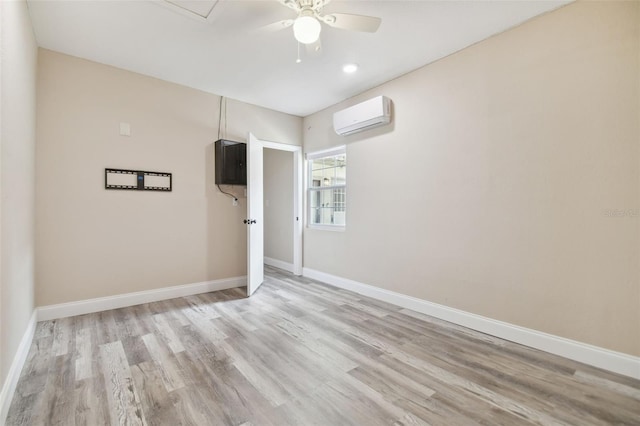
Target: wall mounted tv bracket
[[137, 180]]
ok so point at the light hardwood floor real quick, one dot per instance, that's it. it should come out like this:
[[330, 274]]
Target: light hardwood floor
[[302, 353]]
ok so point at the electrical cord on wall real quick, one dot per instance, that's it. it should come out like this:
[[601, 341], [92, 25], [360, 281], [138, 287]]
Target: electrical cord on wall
[[222, 98], [219, 129], [220, 116], [227, 193], [225, 117]]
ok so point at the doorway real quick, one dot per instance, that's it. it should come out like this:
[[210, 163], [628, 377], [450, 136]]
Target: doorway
[[278, 209]]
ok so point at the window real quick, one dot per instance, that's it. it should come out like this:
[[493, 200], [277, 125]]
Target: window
[[327, 188]]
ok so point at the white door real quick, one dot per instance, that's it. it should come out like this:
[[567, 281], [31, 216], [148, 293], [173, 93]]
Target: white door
[[255, 214]]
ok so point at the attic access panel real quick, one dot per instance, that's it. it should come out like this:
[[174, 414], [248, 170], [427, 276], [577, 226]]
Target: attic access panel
[[137, 180], [199, 9]]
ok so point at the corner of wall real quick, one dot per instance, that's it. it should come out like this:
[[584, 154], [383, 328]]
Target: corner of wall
[[18, 70]]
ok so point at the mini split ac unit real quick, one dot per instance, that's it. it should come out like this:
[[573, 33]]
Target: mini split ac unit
[[363, 116]]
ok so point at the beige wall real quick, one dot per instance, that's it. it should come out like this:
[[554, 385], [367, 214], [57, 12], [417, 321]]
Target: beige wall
[[490, 193], [17, 177], [92, 242], [278, 205]]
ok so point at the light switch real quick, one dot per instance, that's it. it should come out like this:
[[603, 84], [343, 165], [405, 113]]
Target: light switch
[[125, 129]]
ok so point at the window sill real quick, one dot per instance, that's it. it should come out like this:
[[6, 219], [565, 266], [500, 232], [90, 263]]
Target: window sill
[[334, 228]]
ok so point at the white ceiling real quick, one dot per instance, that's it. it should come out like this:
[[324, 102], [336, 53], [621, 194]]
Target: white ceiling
[[215, 48]]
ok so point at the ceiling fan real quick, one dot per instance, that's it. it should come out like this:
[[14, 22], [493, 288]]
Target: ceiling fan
[[307, 26]]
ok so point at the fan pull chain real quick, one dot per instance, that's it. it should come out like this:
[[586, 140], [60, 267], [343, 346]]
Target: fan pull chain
[[298, 60]]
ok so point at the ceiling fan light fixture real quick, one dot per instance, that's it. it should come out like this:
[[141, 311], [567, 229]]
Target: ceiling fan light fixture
[[306, 29]]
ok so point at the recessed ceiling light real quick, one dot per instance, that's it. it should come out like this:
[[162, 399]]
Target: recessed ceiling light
[[350, 68]]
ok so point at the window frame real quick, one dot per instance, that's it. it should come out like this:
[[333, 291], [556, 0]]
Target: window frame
[[309, 189]]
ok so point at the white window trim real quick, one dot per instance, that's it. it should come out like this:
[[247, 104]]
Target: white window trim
[[337, 150], [334, 228]]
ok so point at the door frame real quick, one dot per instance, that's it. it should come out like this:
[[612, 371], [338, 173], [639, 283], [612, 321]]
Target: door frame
[[297, 199]]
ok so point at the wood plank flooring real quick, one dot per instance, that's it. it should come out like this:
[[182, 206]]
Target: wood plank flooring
[[300, 353]]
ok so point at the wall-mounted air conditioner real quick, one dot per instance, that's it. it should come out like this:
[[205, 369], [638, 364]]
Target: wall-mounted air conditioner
[[365, 115]]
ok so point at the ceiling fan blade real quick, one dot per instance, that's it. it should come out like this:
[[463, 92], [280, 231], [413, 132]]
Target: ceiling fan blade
[[367, 24], [276, 26]]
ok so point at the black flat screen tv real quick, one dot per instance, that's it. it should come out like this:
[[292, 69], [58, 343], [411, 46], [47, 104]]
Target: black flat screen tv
[[231, 162]]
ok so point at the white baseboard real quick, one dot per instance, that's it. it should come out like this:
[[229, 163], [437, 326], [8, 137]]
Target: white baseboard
[[279, 264], [617, 362], [11, 381], [88, 306]]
